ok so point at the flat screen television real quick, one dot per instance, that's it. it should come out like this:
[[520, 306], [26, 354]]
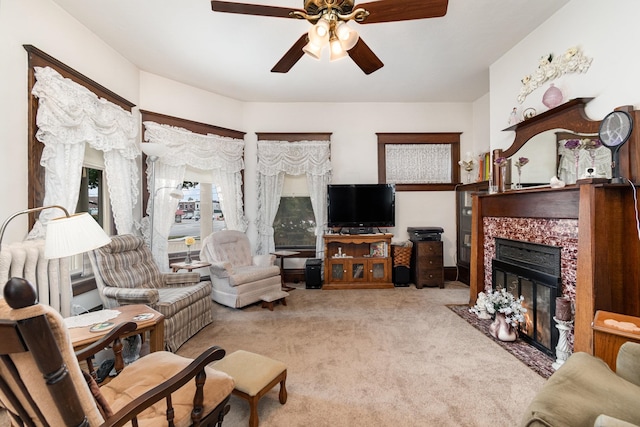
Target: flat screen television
[[361, 205]]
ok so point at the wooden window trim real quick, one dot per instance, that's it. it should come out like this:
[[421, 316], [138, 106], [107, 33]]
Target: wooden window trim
[[35, 172], [295, 137], [451, 138]]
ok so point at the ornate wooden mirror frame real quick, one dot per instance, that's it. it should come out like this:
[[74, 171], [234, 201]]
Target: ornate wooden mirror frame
[[571, 116]]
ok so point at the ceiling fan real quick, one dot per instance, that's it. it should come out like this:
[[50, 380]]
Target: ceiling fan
[[330, 18]]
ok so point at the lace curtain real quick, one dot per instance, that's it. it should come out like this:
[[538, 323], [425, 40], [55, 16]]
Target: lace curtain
[[221, 156], [418, 163], [70, 116], [277, 158]]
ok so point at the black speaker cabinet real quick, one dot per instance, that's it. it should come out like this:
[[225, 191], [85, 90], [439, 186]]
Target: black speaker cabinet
[[401, 276], [313, 273]]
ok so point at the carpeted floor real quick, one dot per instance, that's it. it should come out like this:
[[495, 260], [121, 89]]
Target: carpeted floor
[[526, 353], [377, 357]]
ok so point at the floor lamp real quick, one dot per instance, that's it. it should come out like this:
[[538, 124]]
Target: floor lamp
[[154, 151], [68, 235]]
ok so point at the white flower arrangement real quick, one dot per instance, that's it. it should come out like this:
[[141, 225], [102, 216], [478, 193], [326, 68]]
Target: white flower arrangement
[[500, 301]]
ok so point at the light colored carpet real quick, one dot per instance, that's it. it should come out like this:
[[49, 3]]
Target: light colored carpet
[[375, 358]]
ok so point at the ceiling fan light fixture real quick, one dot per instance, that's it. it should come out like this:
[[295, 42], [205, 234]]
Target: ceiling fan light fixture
[[337, 52], [347, 36], [319, 33], [313, 50]]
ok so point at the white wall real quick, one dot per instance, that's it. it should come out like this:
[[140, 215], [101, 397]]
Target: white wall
[[605, 31], [354, 143], [354, 151], [161, 95]]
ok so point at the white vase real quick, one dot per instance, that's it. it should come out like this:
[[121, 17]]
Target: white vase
[[502, 330]]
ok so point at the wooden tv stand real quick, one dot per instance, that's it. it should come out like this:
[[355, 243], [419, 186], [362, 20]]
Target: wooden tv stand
[[361, 266]]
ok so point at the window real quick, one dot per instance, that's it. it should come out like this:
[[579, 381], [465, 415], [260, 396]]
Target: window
[[36, 172], [294, 224], [94, 199], [419, 161], [198, 213]]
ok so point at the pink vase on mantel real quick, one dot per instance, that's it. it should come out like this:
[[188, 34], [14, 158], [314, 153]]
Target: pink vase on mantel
[[552, 97]]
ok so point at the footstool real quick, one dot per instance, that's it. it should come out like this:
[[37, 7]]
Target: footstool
[[268, 300], [254, 376]]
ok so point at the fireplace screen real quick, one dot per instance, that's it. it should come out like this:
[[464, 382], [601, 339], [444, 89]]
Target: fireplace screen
[[538, 286]]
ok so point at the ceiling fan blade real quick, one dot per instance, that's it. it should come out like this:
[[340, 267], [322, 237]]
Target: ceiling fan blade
[[364, 57], [403, 10], [251, 9], [292, 56]]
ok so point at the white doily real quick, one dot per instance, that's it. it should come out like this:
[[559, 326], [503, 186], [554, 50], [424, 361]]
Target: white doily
[[88, 319]]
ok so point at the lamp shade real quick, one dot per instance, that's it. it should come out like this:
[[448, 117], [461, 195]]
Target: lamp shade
[[78, 233], [319, 33], [346, 35], [176, 194], [154, 149], [337, 52], [313, 50]]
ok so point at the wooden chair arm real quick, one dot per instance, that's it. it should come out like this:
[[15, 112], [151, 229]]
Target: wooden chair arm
[[113, 336], [117, 332], [162, 391]]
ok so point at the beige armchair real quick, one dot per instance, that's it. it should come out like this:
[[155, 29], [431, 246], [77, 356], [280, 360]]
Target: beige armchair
[[126, 273], [584, 391], [239, 278]]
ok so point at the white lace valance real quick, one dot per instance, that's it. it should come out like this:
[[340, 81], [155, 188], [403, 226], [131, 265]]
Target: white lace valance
[[204, 152], [294, 158], [75, 115], [418, 163], [222, 157], [70, 116]]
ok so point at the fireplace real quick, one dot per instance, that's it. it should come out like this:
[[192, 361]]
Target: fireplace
[[533, 271]]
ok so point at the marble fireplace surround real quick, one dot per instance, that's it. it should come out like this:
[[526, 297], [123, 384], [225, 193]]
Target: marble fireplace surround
[[591, 221], [562, 233]]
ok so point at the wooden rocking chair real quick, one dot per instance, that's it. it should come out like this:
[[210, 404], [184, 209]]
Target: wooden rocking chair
[[42, 384]]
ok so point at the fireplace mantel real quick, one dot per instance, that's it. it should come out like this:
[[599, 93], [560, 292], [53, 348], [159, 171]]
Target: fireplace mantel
[[607, 275]]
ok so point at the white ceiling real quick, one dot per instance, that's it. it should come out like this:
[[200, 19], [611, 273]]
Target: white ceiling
[[430, 60]]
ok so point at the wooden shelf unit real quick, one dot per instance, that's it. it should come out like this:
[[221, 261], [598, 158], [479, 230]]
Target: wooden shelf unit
[[464, 194], [357, 269]]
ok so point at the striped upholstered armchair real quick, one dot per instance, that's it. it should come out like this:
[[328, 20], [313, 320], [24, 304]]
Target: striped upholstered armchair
[[126, 273]]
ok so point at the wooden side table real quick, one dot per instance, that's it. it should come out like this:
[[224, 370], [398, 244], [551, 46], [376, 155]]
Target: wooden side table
[[177, 266], [82, 337], [609, 334], [281, 255]]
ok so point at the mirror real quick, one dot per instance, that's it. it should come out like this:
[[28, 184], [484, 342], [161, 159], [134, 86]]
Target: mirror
[[537, 138], [543, 158], [582, 155]]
